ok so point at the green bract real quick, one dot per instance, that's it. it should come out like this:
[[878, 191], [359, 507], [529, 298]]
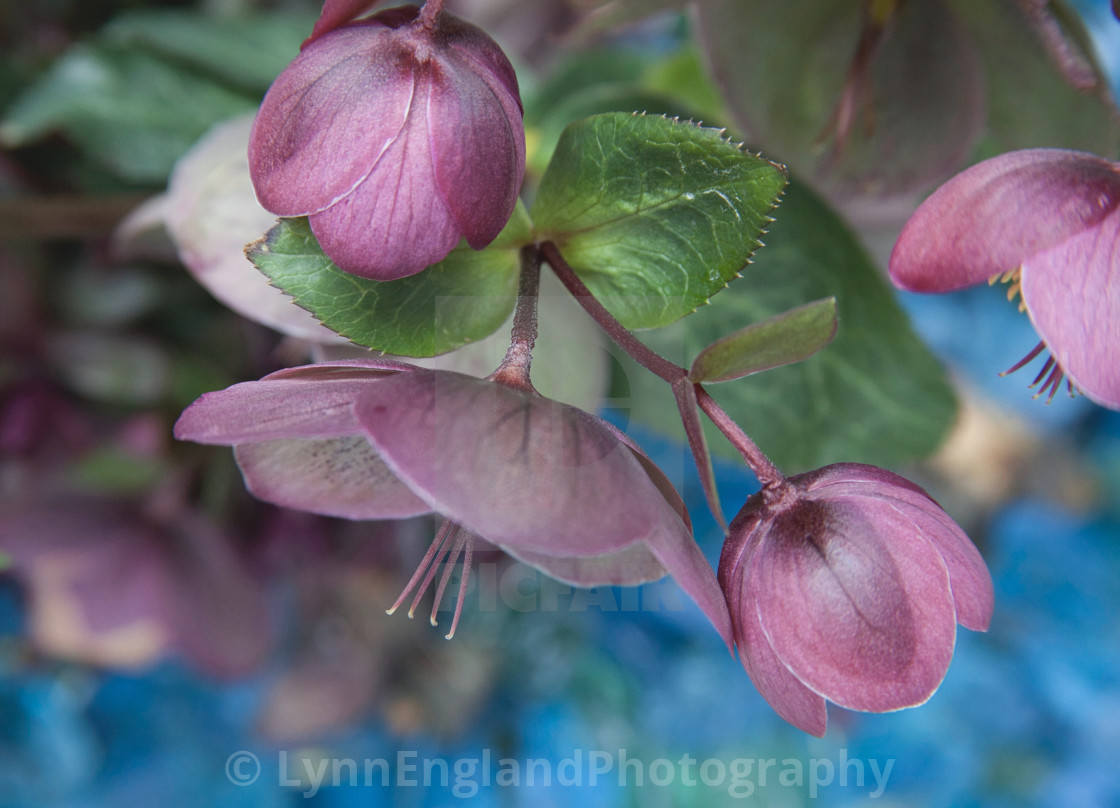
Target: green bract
[[655, 215], [780, 340], [463, 298]]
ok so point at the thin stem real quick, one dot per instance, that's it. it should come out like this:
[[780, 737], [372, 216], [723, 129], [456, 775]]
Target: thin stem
[[649, 359], [429, 14], [766, 472], [514, 369]]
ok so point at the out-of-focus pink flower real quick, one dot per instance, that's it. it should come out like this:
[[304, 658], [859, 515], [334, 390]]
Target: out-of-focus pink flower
[[846, 584], [554, 486], [1048, 221], [210, 213], [397, 135], [110, 587]]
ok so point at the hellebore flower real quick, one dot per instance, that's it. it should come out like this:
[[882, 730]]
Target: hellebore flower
[[846, 584], [554, 486], [210, 213], [1048, 221], [397, 136]]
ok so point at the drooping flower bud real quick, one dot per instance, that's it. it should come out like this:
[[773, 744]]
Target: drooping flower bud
[[397, 135], [846, 584]]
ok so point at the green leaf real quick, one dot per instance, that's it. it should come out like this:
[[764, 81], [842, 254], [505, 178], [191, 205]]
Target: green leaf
[[875, 395], [463, 298], [131, 111], [246, 51], [655, 215], [780, 340], [5, 561]]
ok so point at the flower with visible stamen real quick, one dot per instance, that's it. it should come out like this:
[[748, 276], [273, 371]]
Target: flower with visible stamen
[[556, 487], [846, 584], [1047, 221]]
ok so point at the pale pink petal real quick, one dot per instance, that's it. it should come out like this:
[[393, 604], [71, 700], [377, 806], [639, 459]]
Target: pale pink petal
[[211, 213], [337, 477], [1072, 292], [330, 117], [996, 215], [856, 603]]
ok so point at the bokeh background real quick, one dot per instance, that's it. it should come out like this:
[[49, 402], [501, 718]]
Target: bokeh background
[[155, 621]]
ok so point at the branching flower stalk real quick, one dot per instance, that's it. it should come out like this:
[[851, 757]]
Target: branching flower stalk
[[764, 469]]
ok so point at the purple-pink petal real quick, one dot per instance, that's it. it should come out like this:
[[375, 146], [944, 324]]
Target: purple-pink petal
[[1072, 293], [996, 215], [337, 13], [392, 223], [341, 477], [679, 553], [271, 409], [855, 604], [330, 117], [789, 697], [630, 566], [673, 545], [482, 55], [477, 142], [969, 579], [520, 470]]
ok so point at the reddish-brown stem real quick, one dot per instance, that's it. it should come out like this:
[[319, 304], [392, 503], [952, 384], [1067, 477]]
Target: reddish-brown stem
[[650, 360], [429, 14], [766, 472], [514, 370]]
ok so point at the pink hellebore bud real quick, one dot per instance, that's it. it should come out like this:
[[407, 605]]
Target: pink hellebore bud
[[846, 584], [1047, 220], [397, 135]]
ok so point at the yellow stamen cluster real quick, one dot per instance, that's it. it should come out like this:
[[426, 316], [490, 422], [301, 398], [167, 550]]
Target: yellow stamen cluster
[[1016, 287]]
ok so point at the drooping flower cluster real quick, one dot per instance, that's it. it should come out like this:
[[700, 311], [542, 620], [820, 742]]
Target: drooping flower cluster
[[846, 584], [397, 136], [1048, 220], [400, 134]]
